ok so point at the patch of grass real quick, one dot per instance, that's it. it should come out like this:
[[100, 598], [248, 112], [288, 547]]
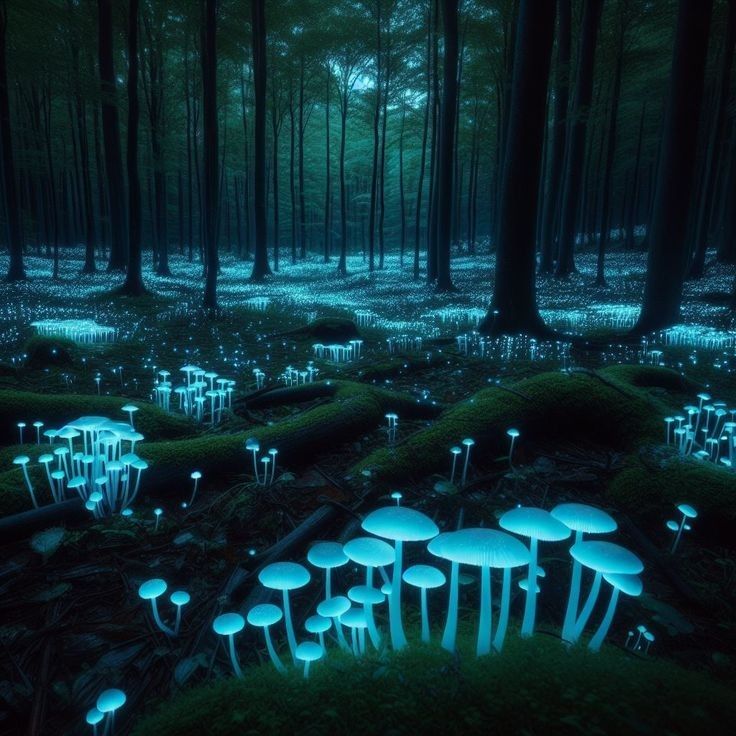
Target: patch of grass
[[536, 686], [44, 352]]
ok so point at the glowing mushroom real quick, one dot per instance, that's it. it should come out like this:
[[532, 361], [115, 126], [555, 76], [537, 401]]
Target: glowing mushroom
[[263, 616], [400, 524], [327, 555], [424, 577], [229, 624], [628, 584], [308, 652]]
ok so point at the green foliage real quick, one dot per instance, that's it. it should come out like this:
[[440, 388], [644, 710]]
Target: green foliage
[[45, 352], [536, 686]]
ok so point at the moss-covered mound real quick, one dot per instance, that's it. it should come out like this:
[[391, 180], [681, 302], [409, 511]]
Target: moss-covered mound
[[45, 352], [655, 487], [605, 407], [535, 687], [56, 409]]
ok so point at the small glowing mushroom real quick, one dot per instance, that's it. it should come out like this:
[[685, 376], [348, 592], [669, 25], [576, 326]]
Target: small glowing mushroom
[[179, 598], [285, 576], [94, 717], [327, 555], [582, 519], [38, 426], [308, 652], [424, 577], [131, 409], [229, 624], [333, 608], [400, 524], [688, 512], [454, 451], [318, 625], [604, 558], [513, 433], [195, 476], [150, 591], [468, 442], [629, 584], [252, 445], [355, 620], [649, 638], [107, 703], [273, 452], [263, 616], [538, 525], [157, 512], [21, 427], [23, 461]]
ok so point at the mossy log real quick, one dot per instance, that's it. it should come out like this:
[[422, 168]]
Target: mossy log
[[608, 408]]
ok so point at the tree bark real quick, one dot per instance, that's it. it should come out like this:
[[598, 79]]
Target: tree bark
[[667, 245], [576, 137], [261, 269], [514, 306]]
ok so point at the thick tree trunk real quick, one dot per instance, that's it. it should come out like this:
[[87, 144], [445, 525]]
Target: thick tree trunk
[[261, 269], [209, 150], [576, 137], [446, 152], [667, 245], [553, 198], [514, 306]]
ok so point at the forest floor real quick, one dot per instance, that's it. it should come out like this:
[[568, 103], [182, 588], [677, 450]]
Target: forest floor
[[71, 622]]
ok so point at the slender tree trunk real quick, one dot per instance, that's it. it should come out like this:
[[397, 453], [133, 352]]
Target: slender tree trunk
[[292, 178], [261, 269], [552, 200], [342, 266], [374, 165], [423, 152], [328, 180], [514, 306], [668, 247], [133, 285], [302, 212], [576, 137], [402, 201], [446, 145], [209, 150], [636, 184]]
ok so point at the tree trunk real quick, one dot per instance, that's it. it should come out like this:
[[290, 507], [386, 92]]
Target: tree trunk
[[514, 306], [342, 266], [209, 150], [133, 285], [667, 245], [328, 180], [553, 197], [374, 165], [446, 152], [402, 201], [576, 137], [111, 139]]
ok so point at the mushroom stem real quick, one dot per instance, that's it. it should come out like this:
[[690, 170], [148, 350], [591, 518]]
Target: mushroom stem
[[503, 618], [530, 605], [448, 636], [157, 619], [328, 583], [485, 622], [398, 638], [595, 643], [30, 487], [177, 625], [234, 655], [341, 640], [425, 617], [568, 627], [677, 536], [588, 607], [289, 628], [277, 663], [306, 669], [368, 608]]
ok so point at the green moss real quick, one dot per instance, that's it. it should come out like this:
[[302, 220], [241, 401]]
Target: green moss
[[56, 409], [43, 352], [535, 687], [651, 488], [572, 406]]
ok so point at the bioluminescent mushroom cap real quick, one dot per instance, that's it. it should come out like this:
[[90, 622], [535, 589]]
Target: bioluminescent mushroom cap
[[284, 576], [468, 441], [180, 598], [21, 460], [110, 700], [309, 651], [529, 521], [370, 552], [629, 584], [252, 444], [687, 510], [317, 624], [264, 614], [94, 716], [606, 558], [365, 595], [354, 618], [524, 585], [583, 518], [196, 475], [513, 432], [152, 589], [424, 576], [480, 546], [400, 523], [327, 555], [129, 408], [227, 624], [333, 607]]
